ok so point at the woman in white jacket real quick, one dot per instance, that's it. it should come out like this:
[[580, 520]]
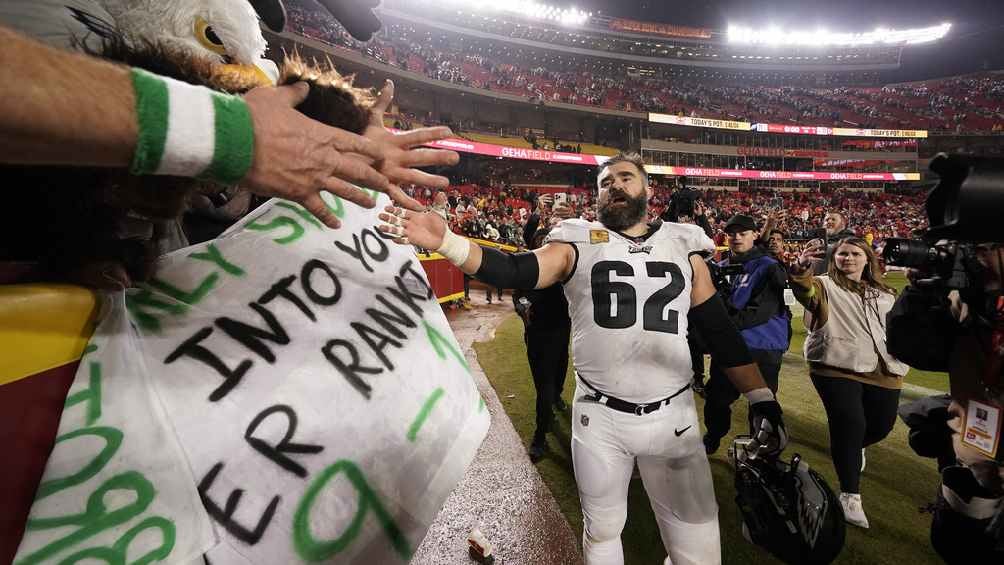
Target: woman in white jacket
[[857, 379]]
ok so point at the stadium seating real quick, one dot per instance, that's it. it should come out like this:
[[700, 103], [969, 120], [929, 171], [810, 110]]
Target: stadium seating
[[959, 104]]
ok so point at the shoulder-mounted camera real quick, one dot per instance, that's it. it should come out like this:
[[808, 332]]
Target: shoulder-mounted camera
[[963, 211]]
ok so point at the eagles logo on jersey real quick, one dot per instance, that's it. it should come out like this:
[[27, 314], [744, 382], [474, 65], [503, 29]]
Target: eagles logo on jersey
[[623, 286]]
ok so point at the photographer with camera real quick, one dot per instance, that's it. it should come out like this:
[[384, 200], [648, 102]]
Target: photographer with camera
[[685, 207], [752, 284], [951, 318], [856, 377]]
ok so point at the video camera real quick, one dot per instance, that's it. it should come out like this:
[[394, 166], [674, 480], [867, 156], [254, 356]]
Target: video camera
[[721, 275], [963, 211], [681, 203]]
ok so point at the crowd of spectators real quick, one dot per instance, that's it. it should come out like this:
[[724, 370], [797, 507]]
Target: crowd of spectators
[[799, 214], [798, 164], [541, 77], [499, 213]]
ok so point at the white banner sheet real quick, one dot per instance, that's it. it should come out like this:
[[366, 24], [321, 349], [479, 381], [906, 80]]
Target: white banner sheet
[[285, 393]]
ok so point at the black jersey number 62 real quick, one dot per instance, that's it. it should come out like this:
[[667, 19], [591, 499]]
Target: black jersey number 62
[[615, 302]]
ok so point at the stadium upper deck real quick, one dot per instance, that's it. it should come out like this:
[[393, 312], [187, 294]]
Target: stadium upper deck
[[557, 74], [735, 49]]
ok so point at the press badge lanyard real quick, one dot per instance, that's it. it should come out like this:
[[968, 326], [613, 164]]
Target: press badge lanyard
[[982, 430]]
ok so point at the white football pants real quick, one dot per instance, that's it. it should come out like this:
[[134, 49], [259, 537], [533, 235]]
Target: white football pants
[[674, 469]]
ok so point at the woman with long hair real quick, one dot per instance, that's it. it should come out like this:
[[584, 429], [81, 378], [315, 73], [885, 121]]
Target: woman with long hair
[[857, 379]]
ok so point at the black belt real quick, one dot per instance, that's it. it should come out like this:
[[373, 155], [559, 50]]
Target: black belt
[[630, 407]]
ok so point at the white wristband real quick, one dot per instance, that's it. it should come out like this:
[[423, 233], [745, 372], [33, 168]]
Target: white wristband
[[455, 248], [759, 395]]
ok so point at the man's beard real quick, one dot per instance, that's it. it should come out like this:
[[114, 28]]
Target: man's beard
[[622, 217]]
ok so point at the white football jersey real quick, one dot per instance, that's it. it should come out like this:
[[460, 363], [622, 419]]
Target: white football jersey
[[628, 302]]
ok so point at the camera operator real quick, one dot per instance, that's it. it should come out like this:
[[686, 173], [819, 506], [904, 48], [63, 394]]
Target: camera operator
[[755, 300], [685, 207], [858, 380], [961, 333], [951, 318]]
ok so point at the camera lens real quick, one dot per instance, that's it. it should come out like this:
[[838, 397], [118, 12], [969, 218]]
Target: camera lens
[[910, 253]]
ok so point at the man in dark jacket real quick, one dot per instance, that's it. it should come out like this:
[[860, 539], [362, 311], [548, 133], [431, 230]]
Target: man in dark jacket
[[836, 228], [755, 300], [547, 329]]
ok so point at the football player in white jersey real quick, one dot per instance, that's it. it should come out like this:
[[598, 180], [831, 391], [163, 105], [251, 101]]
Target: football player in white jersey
[[632, 290]]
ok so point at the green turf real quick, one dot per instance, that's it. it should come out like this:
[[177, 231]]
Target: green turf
[[895, 484]]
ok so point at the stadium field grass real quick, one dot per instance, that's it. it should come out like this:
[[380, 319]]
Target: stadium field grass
[[895, 485]]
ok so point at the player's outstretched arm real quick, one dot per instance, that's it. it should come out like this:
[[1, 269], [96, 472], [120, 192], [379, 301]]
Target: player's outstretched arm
[[538, 269], [708, 314]]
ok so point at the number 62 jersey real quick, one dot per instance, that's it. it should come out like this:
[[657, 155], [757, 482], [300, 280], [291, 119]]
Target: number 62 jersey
[[628, 299]]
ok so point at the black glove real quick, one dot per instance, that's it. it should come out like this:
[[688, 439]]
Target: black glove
[[767, 429]]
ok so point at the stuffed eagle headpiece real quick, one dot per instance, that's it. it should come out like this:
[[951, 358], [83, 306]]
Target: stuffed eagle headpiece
[[213, 43], [223, 31]]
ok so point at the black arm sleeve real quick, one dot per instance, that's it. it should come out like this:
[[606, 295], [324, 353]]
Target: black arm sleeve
[[504, 270], [530, 228], [719, 333]]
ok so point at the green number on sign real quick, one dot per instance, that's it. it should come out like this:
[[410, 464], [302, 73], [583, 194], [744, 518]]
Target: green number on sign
[[95, 518], [113, 439], [118, 553], [312, 549]]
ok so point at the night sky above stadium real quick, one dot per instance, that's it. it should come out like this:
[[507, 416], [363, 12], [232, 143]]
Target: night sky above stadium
[[975, 43]]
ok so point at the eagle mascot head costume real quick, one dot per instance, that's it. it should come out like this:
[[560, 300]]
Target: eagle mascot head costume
[[69, 221]]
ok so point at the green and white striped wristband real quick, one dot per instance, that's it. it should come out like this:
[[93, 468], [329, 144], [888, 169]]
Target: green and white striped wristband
[[190, 131]]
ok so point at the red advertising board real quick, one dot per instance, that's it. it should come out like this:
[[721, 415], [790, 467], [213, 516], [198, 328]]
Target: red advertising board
[[776, 175], [504, 151]]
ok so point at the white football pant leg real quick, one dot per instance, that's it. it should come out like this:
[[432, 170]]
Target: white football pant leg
[[603, 474], [683, 499]]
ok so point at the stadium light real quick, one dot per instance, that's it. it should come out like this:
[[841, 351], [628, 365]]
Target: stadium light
[[571, 16], [774, 36]]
